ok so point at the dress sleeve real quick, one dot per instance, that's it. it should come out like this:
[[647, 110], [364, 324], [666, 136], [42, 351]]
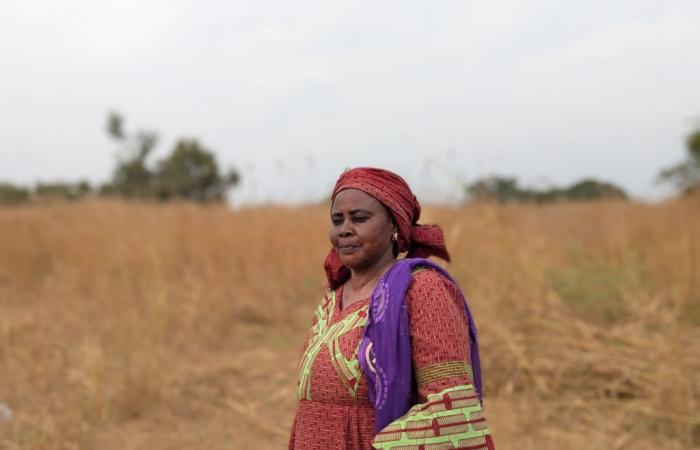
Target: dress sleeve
[[447, 413]]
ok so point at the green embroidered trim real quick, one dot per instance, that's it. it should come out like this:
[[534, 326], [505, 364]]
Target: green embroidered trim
[[348, 369], [324, 335], [435, 372], [418, 269], [452, 418]]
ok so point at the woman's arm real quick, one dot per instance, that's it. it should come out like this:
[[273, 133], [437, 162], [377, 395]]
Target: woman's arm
[[447, 413]]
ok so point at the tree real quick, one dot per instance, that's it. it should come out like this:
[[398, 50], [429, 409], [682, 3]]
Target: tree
[[686, 175], [191, 172], [131, 178]]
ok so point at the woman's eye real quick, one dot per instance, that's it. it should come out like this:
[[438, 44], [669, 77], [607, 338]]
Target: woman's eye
[[359, 219], [337, 222]]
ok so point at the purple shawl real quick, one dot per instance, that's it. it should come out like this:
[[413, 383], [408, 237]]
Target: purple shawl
[[385, 348]]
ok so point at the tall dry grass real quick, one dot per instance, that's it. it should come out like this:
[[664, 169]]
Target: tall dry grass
[[165, 327]]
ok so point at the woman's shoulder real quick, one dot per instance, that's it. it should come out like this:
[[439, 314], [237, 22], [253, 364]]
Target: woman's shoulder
[[426, 275], [434, 298], [427, 282]]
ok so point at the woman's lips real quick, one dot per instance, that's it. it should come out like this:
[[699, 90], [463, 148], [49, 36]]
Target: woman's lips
[[345, 249]]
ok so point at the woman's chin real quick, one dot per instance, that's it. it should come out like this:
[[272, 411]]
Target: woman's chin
[[350, 263]]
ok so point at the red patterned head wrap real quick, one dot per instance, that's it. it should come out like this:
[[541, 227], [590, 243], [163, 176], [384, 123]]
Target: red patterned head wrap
[[420, 241]]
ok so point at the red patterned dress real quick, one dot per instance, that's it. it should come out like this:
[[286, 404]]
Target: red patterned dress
[[334, 411]]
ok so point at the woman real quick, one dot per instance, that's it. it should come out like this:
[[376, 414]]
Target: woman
[[391, 360]]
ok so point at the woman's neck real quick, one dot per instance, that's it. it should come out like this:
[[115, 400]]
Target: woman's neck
[[361, 280]]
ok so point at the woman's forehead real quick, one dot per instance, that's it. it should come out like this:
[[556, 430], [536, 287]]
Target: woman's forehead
[[349, 199]]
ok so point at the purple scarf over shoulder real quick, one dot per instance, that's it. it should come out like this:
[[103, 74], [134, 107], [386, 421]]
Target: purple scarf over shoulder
[[385, 348]]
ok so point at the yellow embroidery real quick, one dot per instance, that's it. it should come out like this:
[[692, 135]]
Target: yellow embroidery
[[435, 372], [324, 335]]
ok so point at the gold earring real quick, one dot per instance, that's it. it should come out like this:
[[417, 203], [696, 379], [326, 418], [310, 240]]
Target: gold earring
[[395, 237]]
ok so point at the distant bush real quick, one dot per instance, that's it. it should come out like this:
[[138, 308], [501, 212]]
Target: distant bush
[[591, 189], [62, 191], [12, 195], [504, 189], [685, 176]]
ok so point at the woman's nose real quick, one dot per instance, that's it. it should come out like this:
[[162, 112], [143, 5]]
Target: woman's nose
[[345, 229]]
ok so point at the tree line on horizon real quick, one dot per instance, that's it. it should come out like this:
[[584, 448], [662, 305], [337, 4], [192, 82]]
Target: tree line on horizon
[[684, 176], [191, 172], [506, 189]]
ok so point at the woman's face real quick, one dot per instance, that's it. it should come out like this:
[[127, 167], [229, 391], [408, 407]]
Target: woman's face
[[361, 229]]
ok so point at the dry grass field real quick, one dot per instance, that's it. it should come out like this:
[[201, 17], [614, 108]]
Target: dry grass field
[[138, 326]]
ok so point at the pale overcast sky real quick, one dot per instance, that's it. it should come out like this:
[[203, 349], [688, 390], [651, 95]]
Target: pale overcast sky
[[292, 92]]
